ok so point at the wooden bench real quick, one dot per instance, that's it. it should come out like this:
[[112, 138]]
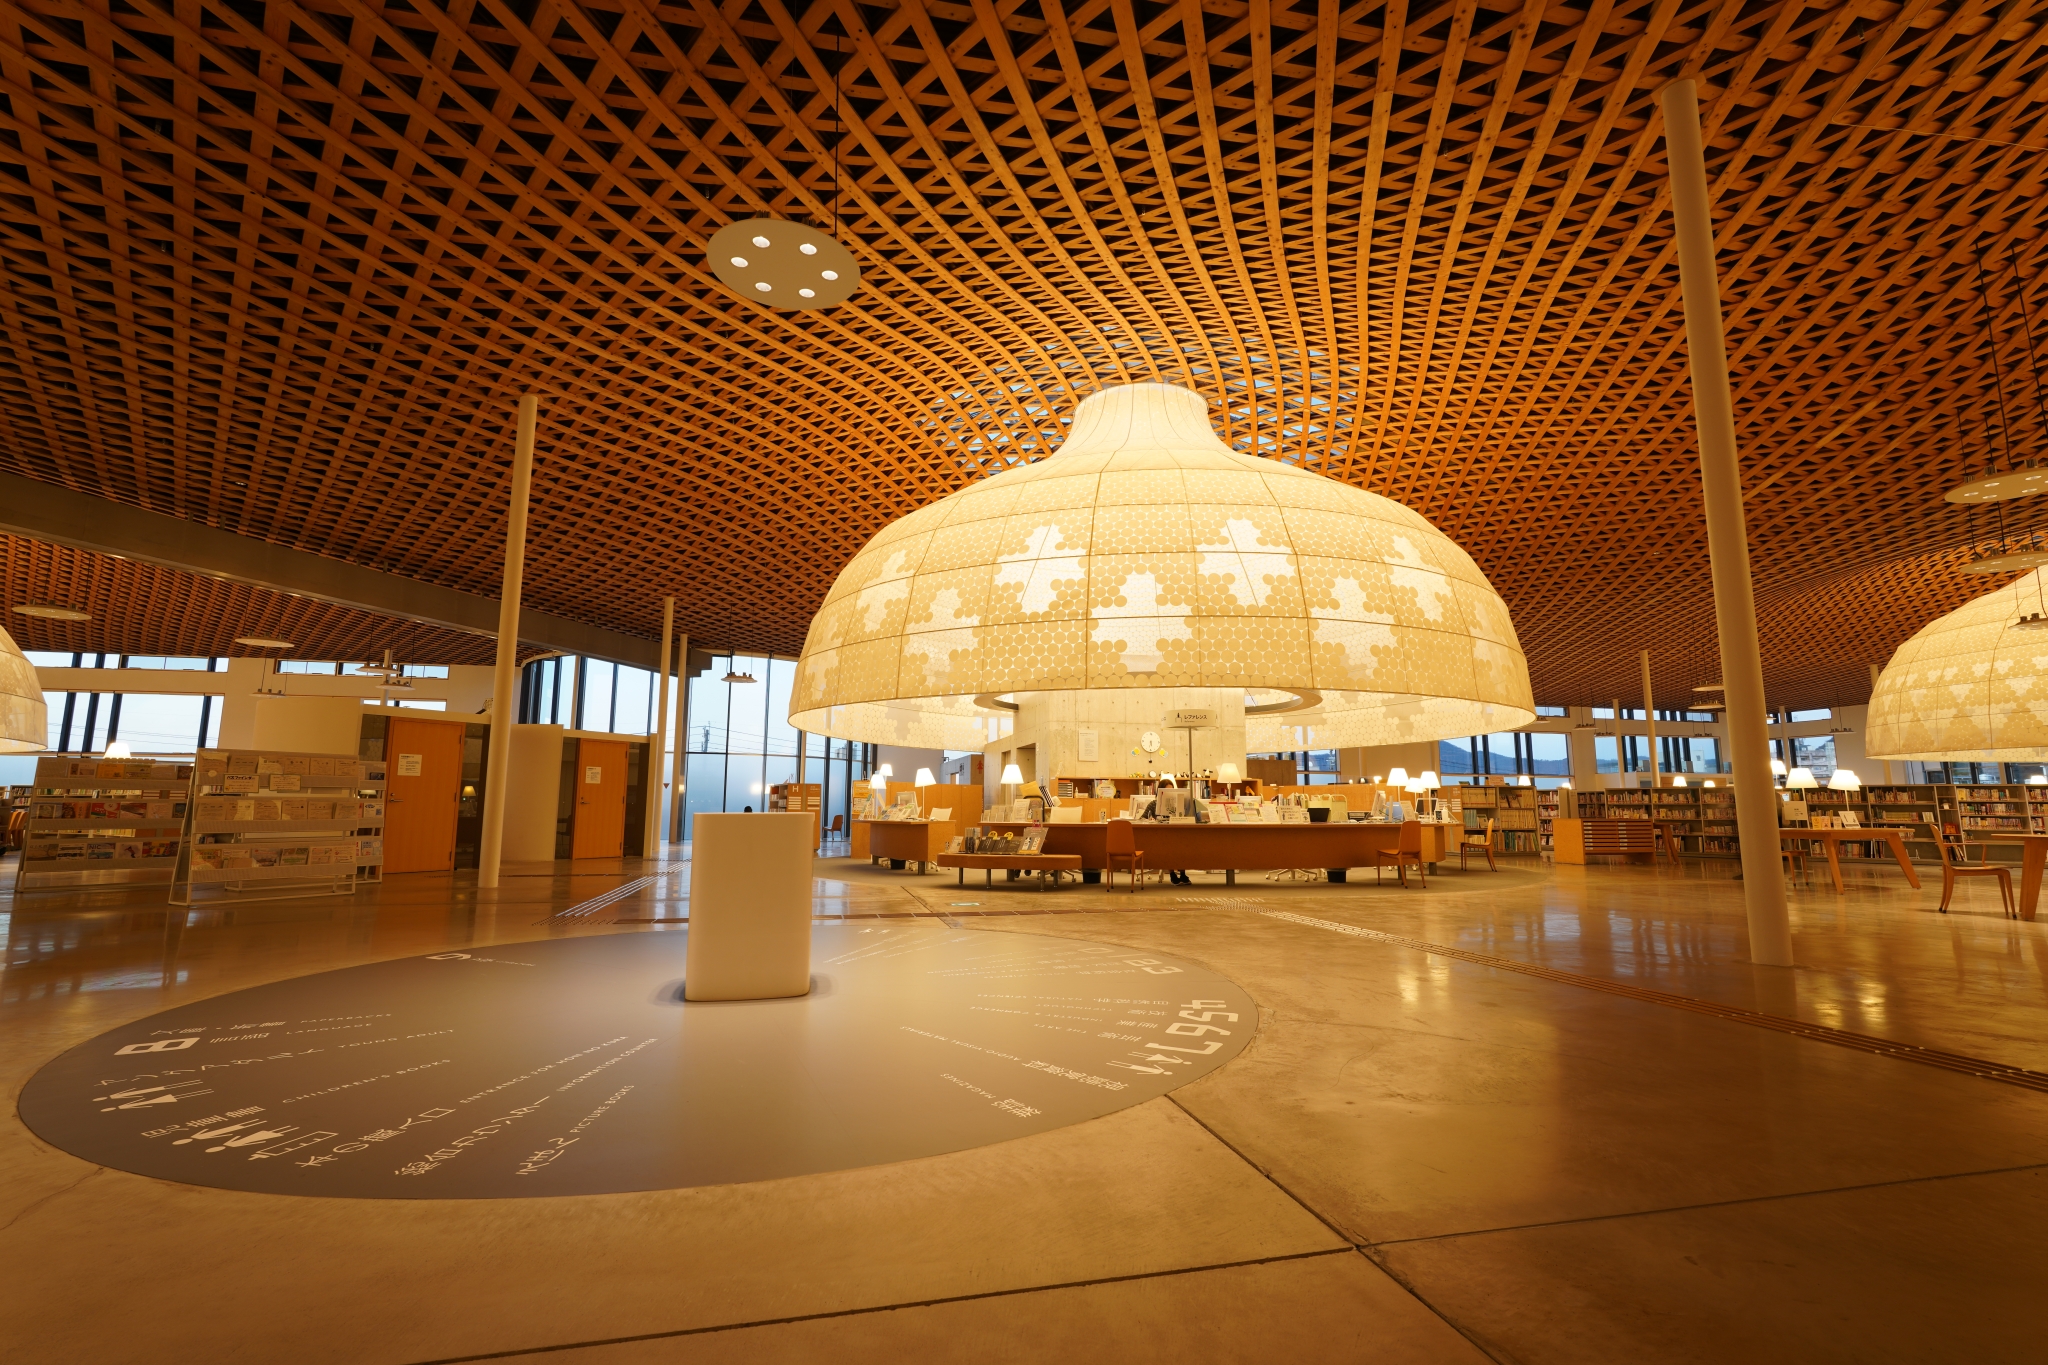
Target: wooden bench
[[1048, 866]]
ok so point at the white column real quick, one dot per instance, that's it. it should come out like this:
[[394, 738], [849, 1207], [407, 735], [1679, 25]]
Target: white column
[[1650, 718], [657, 757], [675, 814], [505, 682], [1742, 670]]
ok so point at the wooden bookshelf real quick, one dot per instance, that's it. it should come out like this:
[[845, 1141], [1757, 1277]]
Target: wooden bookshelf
[[1703, 818]]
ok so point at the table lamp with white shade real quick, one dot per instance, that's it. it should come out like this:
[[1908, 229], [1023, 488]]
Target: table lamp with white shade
[[1429, 782], [1226, 773], [923, 779], [878, 793], [1012, 776], [1801, 779], [1844, 780]]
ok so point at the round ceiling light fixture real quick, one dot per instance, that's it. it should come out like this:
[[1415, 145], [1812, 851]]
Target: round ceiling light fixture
[[782, 264], [262, 642], [52, 613], [2017, 483], [2007, 561]]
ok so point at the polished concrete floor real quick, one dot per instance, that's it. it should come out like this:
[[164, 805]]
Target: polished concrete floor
[[1560, 1119]]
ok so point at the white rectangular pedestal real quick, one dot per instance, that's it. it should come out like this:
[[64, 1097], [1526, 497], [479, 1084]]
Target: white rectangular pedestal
[[750, 907]]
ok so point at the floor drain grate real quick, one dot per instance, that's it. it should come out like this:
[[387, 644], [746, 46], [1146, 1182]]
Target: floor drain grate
[[1799, 1028]]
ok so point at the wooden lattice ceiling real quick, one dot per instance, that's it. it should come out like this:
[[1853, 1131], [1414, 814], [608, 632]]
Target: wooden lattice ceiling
[[143, 609], [283, 267]]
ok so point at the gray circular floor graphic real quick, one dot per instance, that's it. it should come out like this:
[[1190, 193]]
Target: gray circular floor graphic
[[573, 1066]]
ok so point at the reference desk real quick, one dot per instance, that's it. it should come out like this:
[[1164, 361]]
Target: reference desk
[[1232, 849]]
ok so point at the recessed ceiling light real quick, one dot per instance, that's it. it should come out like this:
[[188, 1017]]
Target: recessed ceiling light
[[49, 613], [760, 241], [740, 261], [262, 642]]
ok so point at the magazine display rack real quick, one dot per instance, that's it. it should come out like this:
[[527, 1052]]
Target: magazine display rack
[[102, 822], [264, 825]]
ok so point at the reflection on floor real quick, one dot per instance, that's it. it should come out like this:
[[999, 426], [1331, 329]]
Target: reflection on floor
[[1422, 1156]]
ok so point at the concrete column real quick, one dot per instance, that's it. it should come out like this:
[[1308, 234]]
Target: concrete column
[[505, 684], [657, 758], [1650, 719], [1742, 670]]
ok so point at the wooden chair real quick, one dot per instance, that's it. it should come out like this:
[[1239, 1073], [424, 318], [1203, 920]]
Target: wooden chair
[[1121, 841], [1952, 867], [832, 835], [1470, 845], [1408, 850]]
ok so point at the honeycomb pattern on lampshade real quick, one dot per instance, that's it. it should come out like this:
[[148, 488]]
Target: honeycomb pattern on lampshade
[[1968, 685], [1146, 553], [24, 719]]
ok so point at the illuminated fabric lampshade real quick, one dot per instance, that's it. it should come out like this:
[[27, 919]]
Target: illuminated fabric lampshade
[[1145, 553], [1800, 779], [1012, 775], [1678, 779], [1972, 682], [119, 749], [1844, 781], [24, 720], [924, 778], [1429, 781], [1777, 767], [1227, 772], [1397, 777]]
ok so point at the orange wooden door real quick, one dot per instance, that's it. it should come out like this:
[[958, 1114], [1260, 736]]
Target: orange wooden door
[[600, 826], [423, 772]]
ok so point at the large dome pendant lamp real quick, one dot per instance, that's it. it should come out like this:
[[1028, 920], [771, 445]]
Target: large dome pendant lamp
[[1145, 554], [1972, 682], [24, 719]]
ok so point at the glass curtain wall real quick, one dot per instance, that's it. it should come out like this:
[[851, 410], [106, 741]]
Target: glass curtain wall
[[1508, 753], [739, 744], [578, 693], [149, 722]]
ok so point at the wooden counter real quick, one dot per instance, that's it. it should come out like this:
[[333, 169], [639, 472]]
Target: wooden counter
[[1244, 848], [907, 841]]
